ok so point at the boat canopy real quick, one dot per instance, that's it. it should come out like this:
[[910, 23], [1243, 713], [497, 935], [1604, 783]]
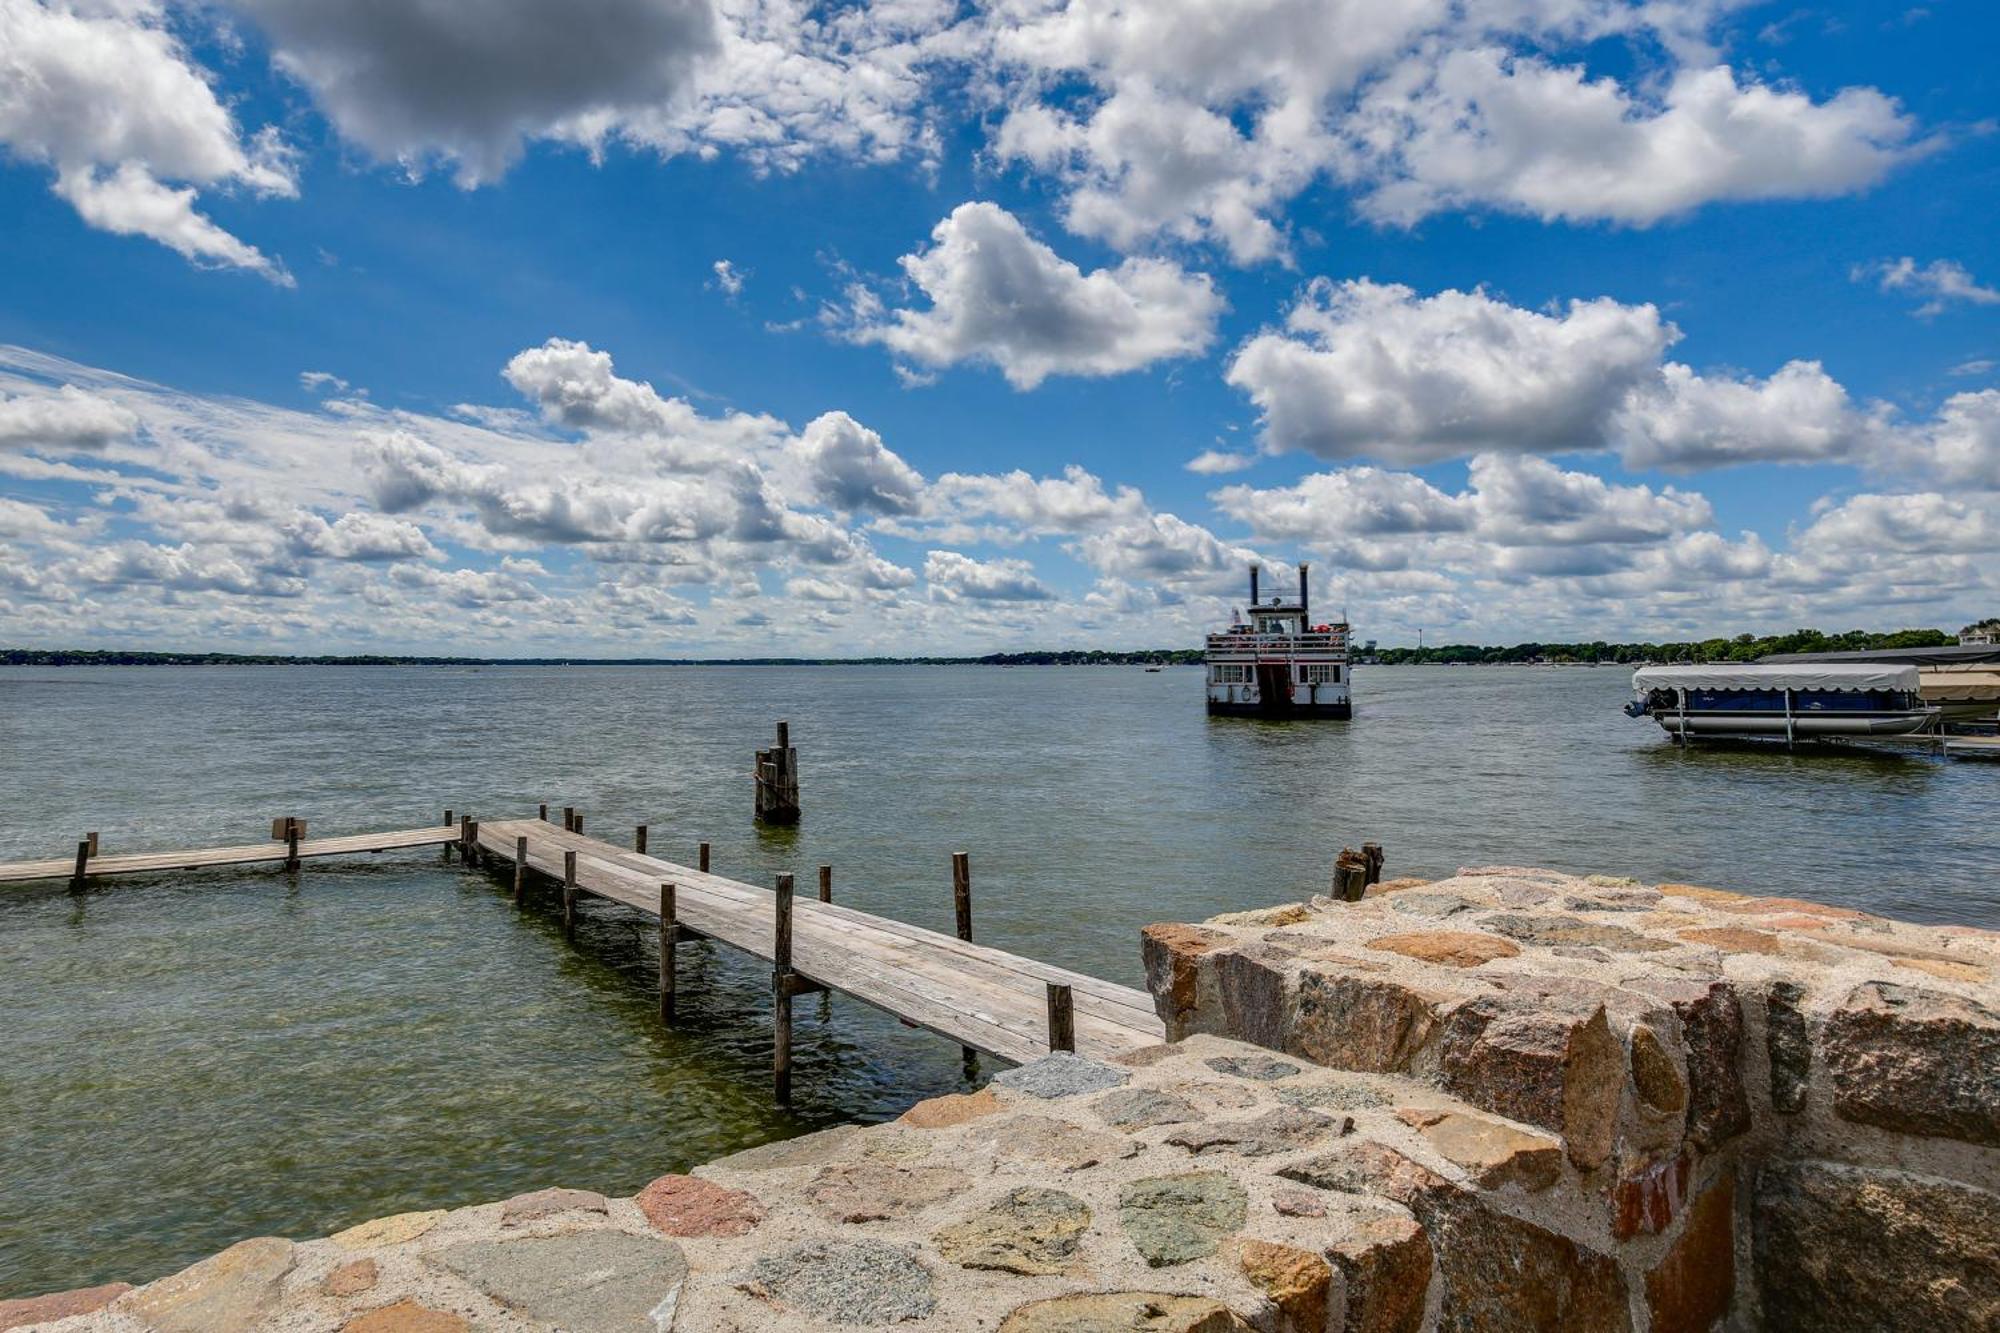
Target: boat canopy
[[1800, 676]]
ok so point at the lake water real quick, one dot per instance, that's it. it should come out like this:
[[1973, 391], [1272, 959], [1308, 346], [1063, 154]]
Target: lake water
[[187, 1060]]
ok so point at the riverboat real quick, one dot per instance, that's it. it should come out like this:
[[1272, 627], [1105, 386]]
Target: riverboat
[[1823, 701], [1278, 663]]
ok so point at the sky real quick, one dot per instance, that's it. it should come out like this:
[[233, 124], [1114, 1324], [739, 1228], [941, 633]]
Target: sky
[[754, 327]]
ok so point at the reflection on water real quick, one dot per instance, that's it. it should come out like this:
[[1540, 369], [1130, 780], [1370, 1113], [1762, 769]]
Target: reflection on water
[[193, 1059]]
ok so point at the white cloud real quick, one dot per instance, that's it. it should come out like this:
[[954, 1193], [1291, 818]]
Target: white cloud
[[1974, 366], [1940, 283], [1922, 523], [322, 381], [1482, 127], [953, 575], [63, 421], [728, 277], [1368, 369], [106, 96], [999, 296], [852, 470], [1216, 462], [1801, 414], [1958, 447]]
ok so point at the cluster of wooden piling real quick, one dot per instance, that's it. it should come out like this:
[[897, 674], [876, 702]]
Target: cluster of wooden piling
[[1354, 872], [778, 781]]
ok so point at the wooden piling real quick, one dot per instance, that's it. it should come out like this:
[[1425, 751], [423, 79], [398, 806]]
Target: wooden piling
[[670, 935], [569, 818], [1350, 875], [82, 860], [778, 781], [1372, 853], [576, 823], [475, 855], [781, 996], [639, 839], [543, 813], [1062, 1018], [521, 871], [961, 901], [704, 859], [826, 884], [91, 838], [291, 844], [569, 895], [448, 822]]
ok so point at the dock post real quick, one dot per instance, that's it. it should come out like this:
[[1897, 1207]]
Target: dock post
[[826, 884], [670, 936], [448, 821], [543, 813], [1062, 1018], [569, 818], [521, 870], [569, 895], [82, 860], [291, 844], [961, 901], [1372, 853], [778, 781], [1350, 876], [781, 996], [639, 840], [576, 825], [91, 838], [474, 854], [704, 859]]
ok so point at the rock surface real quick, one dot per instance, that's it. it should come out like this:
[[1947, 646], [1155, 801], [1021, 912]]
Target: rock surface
[[236, 1289], [689, 1206], [1873, 1250], [1029, 1230], [846, 1282], [1916, 1061], [1124, 1312], [59, 1304], [585, 1281], [1061, 1074], [1176, 1219]]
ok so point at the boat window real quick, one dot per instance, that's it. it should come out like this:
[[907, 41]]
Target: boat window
[[1319, 673], [1229, 673]]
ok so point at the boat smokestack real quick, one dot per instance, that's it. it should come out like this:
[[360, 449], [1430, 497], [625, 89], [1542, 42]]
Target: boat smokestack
[[1253, 585], [1304, 619]]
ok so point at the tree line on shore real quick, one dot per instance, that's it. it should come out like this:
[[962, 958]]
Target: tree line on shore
[[1741, 648]]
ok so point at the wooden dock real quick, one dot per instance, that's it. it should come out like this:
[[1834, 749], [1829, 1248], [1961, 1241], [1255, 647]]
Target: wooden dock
[[1973, 747], [984, 999], [209, 858]]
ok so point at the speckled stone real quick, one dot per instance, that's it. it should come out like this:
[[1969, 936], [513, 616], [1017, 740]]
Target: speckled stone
[[351, 1279], [236, 1289], [394, 1230], [691, 1206], [1263, 1068], [1284, 1129], [1061, 1074], [845, 1282], [540, 1205], [586, 1281], [1124, 1312], [1177, 1219], [1029, 1230], [406, 1316], [874, 1191], [59, 1304], [1333, 1097], [1138, 1108]]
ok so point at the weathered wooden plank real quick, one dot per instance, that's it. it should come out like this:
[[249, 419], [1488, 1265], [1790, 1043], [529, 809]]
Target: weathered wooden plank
[[983, 998], [201, 858]]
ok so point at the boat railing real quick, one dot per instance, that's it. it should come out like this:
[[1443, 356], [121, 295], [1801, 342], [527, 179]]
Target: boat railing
[[1262, 643]]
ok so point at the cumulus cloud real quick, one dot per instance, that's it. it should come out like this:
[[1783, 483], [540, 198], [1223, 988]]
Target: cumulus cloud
[[1364, 368], [1368, 370], [468, 84], [728, 277], [999, 296], [1482, 127], [852, 470], [62, 421], [1939, 284], [953, 575], [1216, 462], [110, 99]]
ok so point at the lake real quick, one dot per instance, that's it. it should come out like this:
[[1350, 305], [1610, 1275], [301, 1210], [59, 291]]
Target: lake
[[192, 1059]]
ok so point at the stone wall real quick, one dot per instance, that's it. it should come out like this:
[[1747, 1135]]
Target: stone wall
[[1772, 1113], [1511, 1100]]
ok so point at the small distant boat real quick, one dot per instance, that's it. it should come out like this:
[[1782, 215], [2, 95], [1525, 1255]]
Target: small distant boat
[[1823, 701], [1151, 670]]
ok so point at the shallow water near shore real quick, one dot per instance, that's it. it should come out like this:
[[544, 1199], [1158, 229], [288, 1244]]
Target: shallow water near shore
[[186, 1060]]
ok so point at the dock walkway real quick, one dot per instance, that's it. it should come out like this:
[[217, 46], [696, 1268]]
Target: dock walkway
[[983, 998]]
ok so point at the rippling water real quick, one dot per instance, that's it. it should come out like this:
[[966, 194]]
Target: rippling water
[[186, 1060]]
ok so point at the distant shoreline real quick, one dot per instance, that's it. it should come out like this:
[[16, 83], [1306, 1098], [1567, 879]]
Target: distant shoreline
[[1740, 648]]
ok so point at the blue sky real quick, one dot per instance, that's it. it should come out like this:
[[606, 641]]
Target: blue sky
[[719, 326]]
